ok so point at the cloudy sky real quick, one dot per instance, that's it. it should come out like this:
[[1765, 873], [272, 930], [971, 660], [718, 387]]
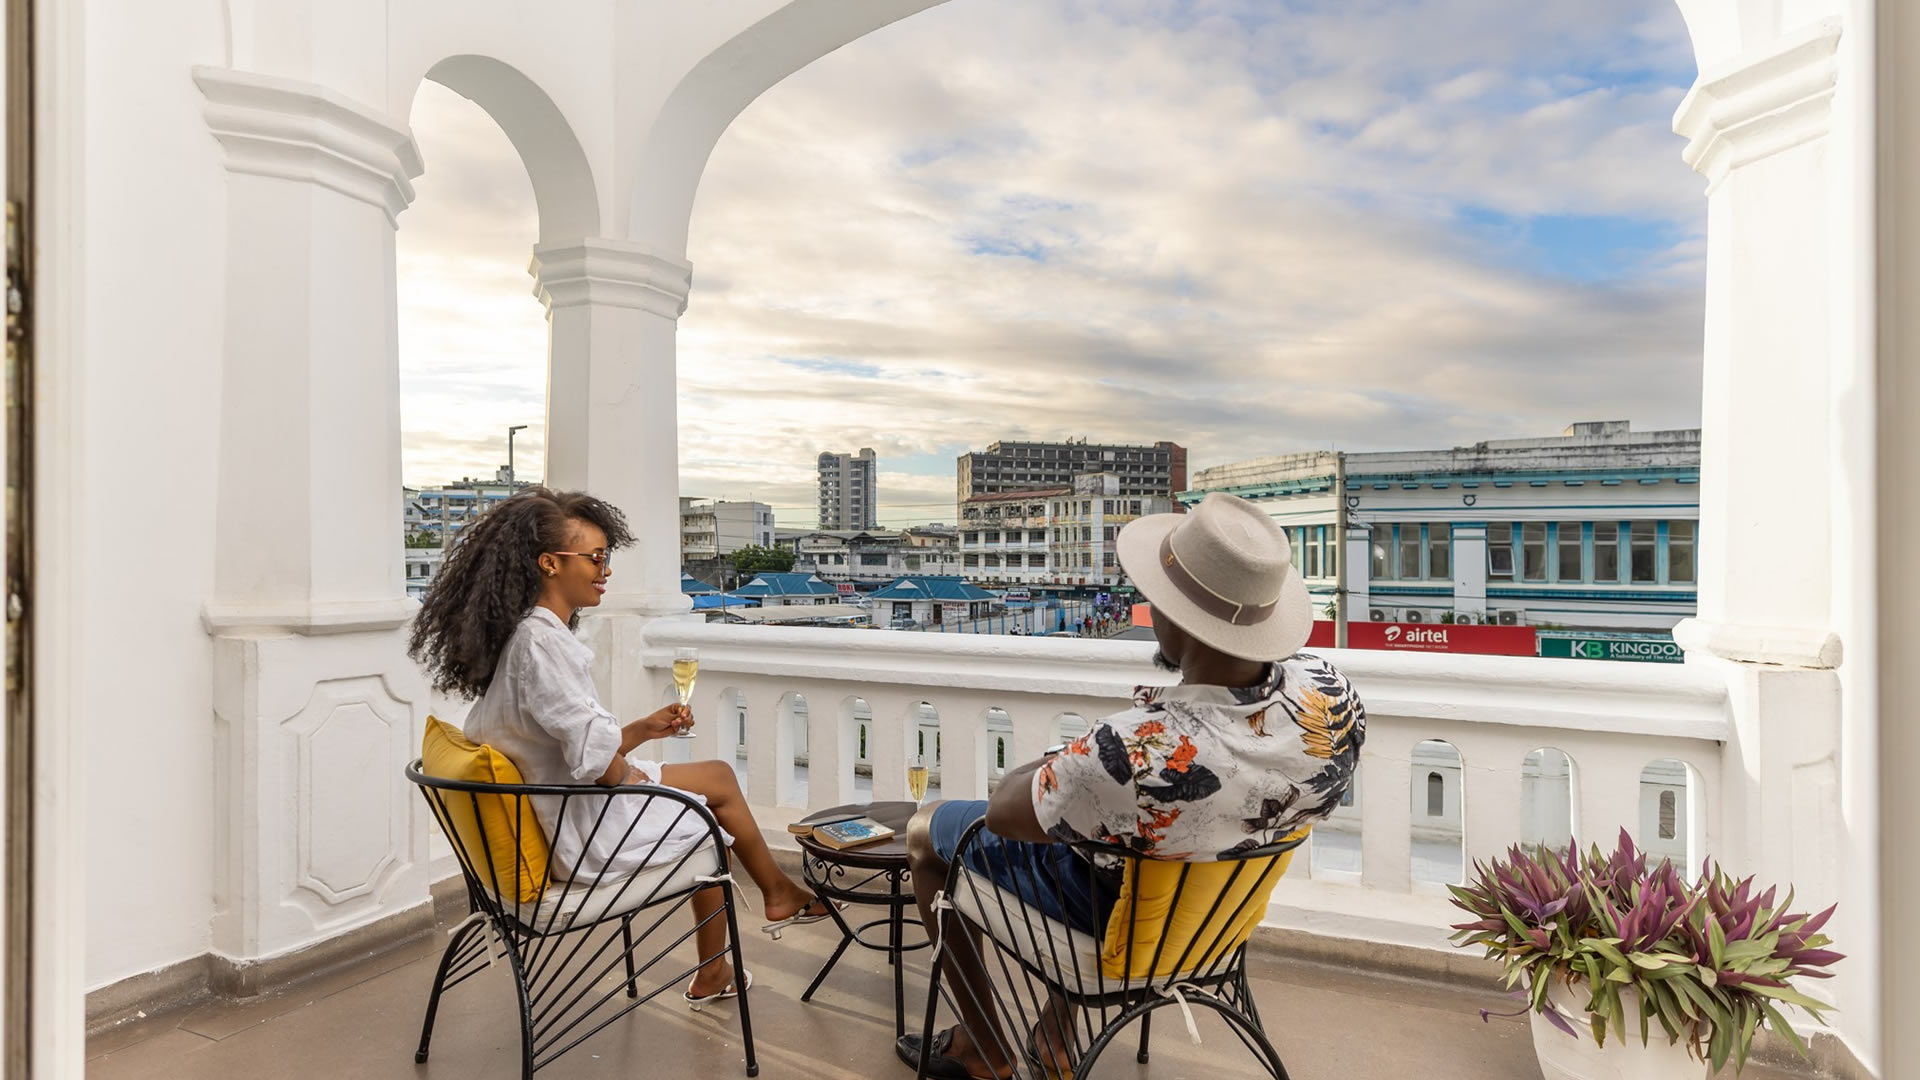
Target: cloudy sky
[[1247, 226]]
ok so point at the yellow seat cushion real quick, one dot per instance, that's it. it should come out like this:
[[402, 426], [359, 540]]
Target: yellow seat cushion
[[1147, 913], [517, 863]]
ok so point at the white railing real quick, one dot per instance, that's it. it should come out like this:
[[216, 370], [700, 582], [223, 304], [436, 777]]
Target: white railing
[[1611, 720]]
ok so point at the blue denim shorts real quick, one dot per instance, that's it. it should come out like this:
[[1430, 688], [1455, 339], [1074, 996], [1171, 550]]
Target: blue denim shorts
[[1054, 879]]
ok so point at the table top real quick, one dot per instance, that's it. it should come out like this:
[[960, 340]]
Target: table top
[[889, 853]]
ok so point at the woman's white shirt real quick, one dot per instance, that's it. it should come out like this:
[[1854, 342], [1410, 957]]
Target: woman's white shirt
[[542, 712]]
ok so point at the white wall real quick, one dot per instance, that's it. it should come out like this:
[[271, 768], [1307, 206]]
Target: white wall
[[154, 266]]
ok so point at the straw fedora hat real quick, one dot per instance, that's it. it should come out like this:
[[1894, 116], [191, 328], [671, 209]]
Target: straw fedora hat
[[1224, 574]]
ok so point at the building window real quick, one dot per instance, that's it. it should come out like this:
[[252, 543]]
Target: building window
[[1106, 561], [1330, 562], [1569, 545], [1606, 552], [1680, 549], [1409, 552], [970, 561], [1533, 551], [1643, 536], [1312, 545], [1500, 550], [1436, 795], [1440, 551], [1668, 811], [1382, 539], [1038, 562], [971, 538]]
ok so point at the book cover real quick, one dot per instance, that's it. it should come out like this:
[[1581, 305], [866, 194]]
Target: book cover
[[841, 835], [805, 826]]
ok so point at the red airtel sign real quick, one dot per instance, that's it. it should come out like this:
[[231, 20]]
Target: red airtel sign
[[1431, 637], [1412, 637]]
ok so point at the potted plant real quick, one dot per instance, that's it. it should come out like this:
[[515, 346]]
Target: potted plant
[[1631, 971]]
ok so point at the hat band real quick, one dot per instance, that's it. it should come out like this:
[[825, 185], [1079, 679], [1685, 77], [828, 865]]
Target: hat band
[[1206, 599]]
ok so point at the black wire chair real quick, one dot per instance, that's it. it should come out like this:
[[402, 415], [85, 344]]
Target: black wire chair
[[1040, 962], [564, 943]]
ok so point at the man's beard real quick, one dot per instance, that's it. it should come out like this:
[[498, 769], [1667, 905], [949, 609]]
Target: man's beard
[[1161, 661]]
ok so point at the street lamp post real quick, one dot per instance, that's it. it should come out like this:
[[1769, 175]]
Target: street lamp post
[[510, 431]]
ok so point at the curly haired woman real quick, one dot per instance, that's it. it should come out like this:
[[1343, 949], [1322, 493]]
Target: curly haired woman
[[497, 627]]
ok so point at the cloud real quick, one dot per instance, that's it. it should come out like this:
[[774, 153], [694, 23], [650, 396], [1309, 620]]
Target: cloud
[[1248, 227]]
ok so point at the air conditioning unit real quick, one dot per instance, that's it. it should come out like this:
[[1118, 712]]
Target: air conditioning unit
[[1413, 615], [1380, 615], [1465, 618], [1511, 617]]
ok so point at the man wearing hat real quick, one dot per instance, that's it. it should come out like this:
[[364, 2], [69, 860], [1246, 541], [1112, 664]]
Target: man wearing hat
[[1254, 742]]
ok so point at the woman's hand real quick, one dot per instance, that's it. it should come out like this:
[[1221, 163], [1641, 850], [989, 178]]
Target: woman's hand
[[668, 721]]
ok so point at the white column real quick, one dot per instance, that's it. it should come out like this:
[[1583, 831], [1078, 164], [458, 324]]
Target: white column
[[612, 426], [1470, 570], [1359, 556], [316, 704], [1759, 131]]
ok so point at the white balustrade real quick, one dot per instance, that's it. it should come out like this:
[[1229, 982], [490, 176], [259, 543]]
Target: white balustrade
[[1611, 720]]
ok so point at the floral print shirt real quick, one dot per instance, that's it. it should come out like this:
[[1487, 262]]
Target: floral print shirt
[[1191, 773]]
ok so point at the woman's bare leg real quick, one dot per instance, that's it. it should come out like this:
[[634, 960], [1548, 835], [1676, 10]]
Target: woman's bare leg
[[711, 939], [715, 781]]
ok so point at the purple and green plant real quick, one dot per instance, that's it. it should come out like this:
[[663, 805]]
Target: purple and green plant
[[1709, 961]]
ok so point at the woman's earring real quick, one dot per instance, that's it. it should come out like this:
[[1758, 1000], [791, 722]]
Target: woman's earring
[[551, 571]]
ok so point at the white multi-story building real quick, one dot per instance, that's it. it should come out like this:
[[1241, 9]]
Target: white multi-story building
[[1004, 537], [1060, 538], [849, 490], [1596, 528], [431, 517], [714, 530], [1083, 525], [873, 558]]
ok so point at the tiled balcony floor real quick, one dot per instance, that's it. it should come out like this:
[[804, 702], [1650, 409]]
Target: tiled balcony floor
[[362, 1024]]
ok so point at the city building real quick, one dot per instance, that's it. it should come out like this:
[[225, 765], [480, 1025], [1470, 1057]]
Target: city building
[[785, 590], [1596, 528], [1083, 524], [431, 517], [1004, 537], [849, 490], [927, 600], [1004, 467], [715, 530], [872, 558]]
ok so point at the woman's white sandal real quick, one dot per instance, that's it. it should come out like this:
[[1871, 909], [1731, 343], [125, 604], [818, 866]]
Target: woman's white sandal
[[745, 982]]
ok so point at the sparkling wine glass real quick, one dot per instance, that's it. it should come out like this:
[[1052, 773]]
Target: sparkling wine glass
[[686, 669], [917, 780]]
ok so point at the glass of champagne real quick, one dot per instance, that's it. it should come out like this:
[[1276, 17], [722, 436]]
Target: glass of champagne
[[917, 780], [686, 669]]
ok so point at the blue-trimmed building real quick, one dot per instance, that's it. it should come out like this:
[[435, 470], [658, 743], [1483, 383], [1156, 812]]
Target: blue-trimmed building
[[781, 590], [928, 600], [1598, 528]]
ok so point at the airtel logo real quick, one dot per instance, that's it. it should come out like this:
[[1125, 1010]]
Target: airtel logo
[[1416, 635], [1393, 633]]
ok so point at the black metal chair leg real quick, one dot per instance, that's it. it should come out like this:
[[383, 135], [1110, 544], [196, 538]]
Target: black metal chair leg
[[740, 978], [1146, 1033], [626, 939], [433, 999]]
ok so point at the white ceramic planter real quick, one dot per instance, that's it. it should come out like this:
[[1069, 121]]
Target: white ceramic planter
[[1563, 1057]]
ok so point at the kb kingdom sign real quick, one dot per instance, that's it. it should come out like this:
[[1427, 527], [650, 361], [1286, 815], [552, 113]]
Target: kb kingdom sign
[[1641, 650]]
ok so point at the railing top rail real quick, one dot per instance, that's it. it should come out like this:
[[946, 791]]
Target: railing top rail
[[1664, 700]]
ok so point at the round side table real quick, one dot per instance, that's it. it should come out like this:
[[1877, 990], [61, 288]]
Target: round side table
[[874, 875]]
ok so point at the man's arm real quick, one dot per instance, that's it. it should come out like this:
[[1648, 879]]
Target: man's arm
[[1010, 812]]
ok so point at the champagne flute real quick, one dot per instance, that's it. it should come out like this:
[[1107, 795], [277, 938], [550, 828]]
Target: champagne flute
[[917, 780], [686, 669]]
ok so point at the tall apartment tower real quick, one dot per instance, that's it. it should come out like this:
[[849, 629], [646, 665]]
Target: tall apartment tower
[[849, 490], [1145, 471]]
